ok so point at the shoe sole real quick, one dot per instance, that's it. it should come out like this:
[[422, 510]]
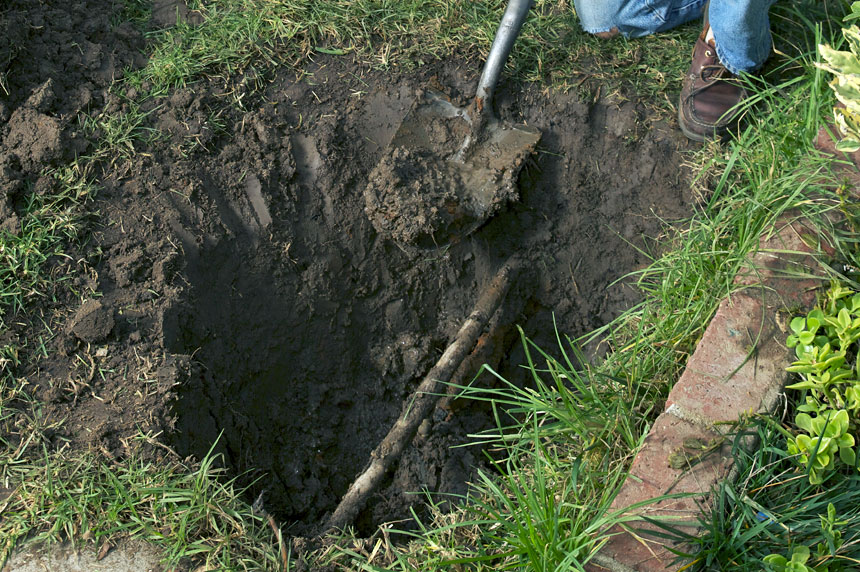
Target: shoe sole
[[691, 135]]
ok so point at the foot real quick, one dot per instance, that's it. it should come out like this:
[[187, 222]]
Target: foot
[[709, 95]]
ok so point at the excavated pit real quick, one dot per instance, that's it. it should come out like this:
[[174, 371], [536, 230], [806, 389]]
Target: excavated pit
[[307, 330]]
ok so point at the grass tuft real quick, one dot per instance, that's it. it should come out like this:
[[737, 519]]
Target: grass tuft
[[48, 222], [189, 512]]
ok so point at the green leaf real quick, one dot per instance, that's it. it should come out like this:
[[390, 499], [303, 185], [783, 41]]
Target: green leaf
[[844, 318], [777, 560], [822, 460], [848, 145], [803, 385], [818, 425], [798, 324], [839, 375], [800, 554], [813, 407], [846, 92], [801, 367], [840, 420], [847, 455], [812, 323], [853, 36], [835, 360], [804, 421], [803, 352], [845, 440], [841, 62], [815, 477]]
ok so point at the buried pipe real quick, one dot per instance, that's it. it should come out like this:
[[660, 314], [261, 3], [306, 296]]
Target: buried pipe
[[425, 397]]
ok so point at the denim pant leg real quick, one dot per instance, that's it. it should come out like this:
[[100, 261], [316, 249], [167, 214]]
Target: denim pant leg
[[636, 18], [741, 32]]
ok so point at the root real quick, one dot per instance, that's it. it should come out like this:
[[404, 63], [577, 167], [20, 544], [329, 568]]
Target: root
[[424, 398]]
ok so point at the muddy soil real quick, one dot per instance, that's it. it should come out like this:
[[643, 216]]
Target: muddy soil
[[446, 171], [233, 293]]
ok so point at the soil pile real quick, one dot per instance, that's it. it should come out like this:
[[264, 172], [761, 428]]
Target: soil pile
[[244, 299], [57, 58]]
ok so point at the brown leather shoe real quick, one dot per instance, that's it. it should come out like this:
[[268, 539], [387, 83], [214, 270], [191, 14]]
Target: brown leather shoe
[[708, 95]]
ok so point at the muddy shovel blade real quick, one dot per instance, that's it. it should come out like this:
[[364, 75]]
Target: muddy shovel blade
[[440, 179]]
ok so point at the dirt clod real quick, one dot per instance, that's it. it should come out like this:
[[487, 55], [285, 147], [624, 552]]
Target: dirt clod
[[93, 322]]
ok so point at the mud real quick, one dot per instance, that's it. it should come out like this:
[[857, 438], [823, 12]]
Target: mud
[[446, 171], [233, 293]]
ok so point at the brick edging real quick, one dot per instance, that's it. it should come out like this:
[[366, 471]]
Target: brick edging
[[738, 367]]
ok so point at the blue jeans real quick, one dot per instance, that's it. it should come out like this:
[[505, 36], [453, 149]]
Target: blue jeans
[[741, 27]]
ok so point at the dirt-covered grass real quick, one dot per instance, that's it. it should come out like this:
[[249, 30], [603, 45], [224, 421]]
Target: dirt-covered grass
[[565, 444]]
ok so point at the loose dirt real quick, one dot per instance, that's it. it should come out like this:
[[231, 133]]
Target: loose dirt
[[233, 293], [128, 556], [446, 171]]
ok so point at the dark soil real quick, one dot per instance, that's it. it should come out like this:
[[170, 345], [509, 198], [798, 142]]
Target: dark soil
[[235, 294], [446, 171]]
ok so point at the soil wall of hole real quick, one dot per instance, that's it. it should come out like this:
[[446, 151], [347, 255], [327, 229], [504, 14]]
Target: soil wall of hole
[[234, 293]]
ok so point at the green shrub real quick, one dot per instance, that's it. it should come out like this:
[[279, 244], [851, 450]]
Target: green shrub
[[845, 65], [825, 343]]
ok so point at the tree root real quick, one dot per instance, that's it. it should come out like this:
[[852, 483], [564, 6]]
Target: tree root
[[424, 398]]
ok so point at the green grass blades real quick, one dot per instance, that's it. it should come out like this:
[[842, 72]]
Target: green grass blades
[[49, 221], [239, 36], [575, 405], [188, 513], [772, 510]]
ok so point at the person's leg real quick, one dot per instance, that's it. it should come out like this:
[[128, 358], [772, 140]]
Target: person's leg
[[741, 33], [711, 92], [635, 18]]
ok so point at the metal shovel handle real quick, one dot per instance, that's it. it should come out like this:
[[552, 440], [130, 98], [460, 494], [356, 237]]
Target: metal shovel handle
[[506, 35]]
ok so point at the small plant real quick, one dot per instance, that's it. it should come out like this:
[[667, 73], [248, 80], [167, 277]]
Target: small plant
[[799, 557], [825, 440], [845, 65], [825, 342]]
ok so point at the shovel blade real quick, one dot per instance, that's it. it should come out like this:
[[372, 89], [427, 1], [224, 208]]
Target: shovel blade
[[433, 185]]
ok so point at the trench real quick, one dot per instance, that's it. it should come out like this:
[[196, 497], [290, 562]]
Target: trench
[[307, 331]]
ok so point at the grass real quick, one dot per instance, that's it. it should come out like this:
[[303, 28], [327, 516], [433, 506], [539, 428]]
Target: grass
[[238, 35], [561, 447], [772, 508], [188, 512], [48, 221]]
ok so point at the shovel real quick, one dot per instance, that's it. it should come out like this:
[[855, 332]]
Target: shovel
[[448, 169]]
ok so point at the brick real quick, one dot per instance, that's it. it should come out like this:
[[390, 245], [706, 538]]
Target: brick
[[723, 379], [651, 476], [786, 268], [738, 367]]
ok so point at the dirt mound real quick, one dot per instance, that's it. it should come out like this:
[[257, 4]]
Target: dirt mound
[[244, 299]]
